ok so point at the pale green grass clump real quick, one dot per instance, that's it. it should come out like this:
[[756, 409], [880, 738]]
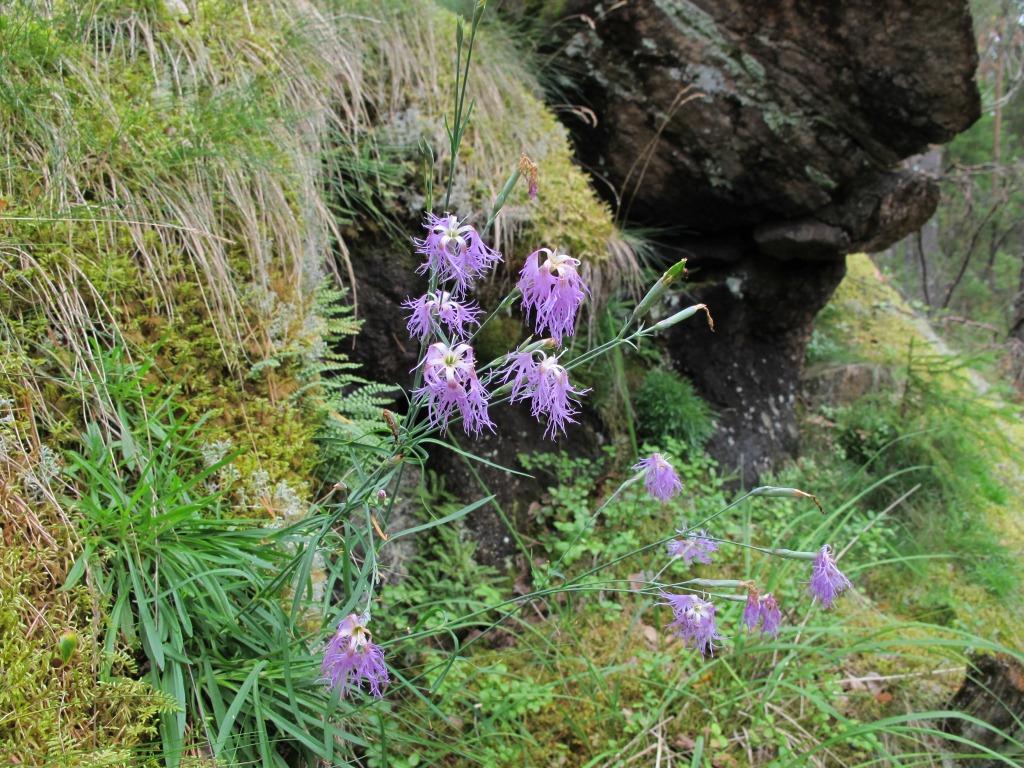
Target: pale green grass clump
[[55, 707]]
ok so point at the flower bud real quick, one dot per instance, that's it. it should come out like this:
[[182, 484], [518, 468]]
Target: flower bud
[[677, 269], [66, 646], [389, 419], [719, 583], [791, 493], [529, 169], [684, 314], [658, 289], [536, 346], [790, 554]]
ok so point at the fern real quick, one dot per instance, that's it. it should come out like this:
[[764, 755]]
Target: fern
[[350, 404]]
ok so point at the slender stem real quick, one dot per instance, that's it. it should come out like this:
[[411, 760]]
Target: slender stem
[[504, 304], [607, 346], [524, 551], [579, 534]]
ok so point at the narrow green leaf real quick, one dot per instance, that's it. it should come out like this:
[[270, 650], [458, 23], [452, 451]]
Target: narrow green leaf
[[78, 568], [226, 725], [698, 752], [443, 520], [474, 457]]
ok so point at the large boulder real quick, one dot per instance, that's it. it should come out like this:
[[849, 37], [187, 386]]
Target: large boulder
[[765, 139]]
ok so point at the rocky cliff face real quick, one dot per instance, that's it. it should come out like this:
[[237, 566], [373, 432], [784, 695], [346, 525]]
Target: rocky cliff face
[[765, 139]]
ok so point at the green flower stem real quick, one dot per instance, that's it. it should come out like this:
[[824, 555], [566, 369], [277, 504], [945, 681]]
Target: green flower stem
[[579, 534]]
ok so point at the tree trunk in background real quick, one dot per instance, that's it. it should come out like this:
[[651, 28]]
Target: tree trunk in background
[[1015, 356], [997, 109]]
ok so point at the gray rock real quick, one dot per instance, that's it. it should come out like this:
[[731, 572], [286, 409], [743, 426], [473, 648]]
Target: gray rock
[[765, 138]]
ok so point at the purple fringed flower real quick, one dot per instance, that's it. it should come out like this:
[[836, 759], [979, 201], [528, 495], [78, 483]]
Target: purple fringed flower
[[351, 659], [552, 291], [660, 478], [522, 372], [771, 616], [696, 547], [763, 610], [827, 581], [752, 610], [693, 621], [442, 307], [450, 384], [547, 383], [454, 251]]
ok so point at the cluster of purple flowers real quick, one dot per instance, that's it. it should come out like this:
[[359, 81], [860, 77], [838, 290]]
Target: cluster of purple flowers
[[552, 291], [694, 547], [352, 659], [693, 618], [763, 610]]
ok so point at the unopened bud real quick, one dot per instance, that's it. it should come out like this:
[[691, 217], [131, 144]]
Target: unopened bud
[[721, 583], [790, 493], [389, 419], [658, 289], [684, 314], [677, 269], [66, 646], [791, 554], [382, 495], [535, 346], [529, 169]]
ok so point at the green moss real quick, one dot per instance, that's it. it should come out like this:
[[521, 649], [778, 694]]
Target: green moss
[[509, 118], [499, 336], [942, 421], [56, 712], [140, 200]]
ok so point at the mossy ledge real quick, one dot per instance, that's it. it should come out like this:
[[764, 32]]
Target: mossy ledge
[[182, 187]]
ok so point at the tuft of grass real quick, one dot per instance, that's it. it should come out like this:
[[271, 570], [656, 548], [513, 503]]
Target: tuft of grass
[[198, 596], [667, 406], [55, 708]]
